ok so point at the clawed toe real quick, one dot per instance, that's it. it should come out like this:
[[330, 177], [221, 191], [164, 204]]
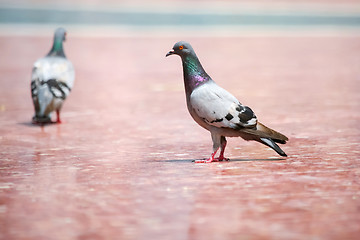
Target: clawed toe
[[209, 160]]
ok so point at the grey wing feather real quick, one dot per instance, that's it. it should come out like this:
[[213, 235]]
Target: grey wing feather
[[219, 108]]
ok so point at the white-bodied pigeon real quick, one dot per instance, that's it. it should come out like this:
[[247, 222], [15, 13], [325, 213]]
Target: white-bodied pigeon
[[52, 80], [216, 110]]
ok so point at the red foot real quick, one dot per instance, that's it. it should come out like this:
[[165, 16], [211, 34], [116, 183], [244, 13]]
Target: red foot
[[222, 158], [58, 116], [212, 159], [209, 160]]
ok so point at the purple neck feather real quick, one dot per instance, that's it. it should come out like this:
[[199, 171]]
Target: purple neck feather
[[194, 73]]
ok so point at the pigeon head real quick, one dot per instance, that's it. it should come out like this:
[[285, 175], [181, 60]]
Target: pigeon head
[[60, 34], [182, 49], [59, 38], [194, 73]]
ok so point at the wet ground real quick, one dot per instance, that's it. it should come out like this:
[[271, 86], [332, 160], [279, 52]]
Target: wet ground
[[120, 166]]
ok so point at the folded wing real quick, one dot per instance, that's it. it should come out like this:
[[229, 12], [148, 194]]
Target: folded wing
[[51, 82], [219, 108]]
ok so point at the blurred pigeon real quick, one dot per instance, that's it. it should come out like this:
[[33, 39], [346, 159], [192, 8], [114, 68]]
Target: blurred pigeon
[[51, 81], [216, 110]]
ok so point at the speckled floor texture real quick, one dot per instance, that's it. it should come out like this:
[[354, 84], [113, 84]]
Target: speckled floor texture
[[120, 166]]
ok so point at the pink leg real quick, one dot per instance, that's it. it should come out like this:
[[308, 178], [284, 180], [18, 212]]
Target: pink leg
[[222, 158], [209, 160], [58, 116], [223, 145]]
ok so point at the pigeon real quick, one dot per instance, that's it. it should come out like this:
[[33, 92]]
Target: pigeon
[[218, 111], [51, 81]]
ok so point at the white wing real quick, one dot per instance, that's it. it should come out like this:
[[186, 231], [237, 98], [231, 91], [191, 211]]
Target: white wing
[[51, 82], [58, 68], [219, 108]]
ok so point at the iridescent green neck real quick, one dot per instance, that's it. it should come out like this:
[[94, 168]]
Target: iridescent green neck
[[194, 73], [192, 66], [57, 48]]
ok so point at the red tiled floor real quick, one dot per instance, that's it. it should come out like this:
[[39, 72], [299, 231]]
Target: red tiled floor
[[120, 166]]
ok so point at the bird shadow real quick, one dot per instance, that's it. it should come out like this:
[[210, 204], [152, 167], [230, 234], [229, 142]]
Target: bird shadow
[[231, 160], [31, 124]]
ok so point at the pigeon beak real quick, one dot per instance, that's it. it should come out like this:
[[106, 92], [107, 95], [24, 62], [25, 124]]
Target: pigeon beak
[[170, 53]]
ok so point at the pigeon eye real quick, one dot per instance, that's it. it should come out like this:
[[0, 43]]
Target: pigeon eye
[[181, 47]]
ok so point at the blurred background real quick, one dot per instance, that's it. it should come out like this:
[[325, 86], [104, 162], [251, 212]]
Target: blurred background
[[196, 17], [120, 166]]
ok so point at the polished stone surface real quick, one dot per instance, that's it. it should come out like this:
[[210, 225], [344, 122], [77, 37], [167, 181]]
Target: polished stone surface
[[120, 166]]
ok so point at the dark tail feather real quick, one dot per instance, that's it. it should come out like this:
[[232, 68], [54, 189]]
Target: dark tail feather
[[269, 142], [279, 141], [41, 120]]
